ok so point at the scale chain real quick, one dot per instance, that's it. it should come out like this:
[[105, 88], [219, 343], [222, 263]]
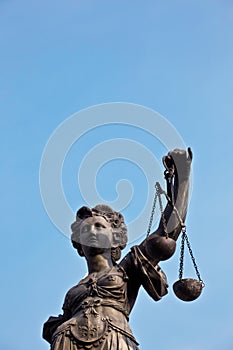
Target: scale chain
[[159, 191], [181, 268], [152, 214], [192, 257]]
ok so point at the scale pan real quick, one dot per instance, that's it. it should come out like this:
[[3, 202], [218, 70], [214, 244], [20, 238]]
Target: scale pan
[[188, 289]]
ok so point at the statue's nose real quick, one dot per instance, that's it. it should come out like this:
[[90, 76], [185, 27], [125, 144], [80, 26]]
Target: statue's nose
[[93, 230]]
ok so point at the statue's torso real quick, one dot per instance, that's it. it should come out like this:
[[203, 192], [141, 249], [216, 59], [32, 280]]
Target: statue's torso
[[98, 305]]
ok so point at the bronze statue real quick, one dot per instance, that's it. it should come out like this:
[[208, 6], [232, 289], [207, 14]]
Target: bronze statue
[[96, 311]]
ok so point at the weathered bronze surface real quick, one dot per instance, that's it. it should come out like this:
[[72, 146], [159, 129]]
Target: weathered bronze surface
[[188, 289], [96, 310]]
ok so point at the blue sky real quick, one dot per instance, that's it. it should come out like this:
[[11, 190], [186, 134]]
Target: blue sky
[[59, 57]]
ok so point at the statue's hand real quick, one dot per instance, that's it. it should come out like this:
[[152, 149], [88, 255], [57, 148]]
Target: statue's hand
[[178, 162]]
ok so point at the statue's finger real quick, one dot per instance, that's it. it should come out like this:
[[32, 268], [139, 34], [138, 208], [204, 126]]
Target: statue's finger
[[190, 153], [166, 160]]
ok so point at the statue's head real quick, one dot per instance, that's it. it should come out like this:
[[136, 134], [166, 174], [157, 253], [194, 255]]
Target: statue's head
[[100, 228]]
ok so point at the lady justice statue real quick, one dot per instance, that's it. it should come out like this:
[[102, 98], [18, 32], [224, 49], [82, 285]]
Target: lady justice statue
[[96, 310]]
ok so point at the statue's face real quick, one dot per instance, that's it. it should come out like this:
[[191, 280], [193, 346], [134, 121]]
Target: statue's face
[[96, 232]]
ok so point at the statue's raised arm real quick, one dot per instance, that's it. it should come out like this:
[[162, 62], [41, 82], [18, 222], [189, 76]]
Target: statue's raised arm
[[177, 173]]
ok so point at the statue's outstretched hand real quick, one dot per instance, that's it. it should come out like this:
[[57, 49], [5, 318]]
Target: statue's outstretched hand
[[178, 162]]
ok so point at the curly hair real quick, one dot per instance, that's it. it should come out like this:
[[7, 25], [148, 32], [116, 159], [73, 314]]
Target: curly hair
[[119, 229]]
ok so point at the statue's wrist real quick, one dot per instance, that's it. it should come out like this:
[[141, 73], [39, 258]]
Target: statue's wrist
[[183, 175]]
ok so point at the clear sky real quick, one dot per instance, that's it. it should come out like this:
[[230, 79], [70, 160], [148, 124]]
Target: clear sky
[[58, 57]]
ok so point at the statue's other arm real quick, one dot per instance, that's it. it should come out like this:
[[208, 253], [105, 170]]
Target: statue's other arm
[[54, 322]]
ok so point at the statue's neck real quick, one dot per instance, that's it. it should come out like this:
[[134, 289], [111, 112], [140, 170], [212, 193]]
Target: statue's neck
[[99, 262]]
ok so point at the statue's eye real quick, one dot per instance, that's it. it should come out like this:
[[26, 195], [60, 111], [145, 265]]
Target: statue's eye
[[99, 225], [85, 228]]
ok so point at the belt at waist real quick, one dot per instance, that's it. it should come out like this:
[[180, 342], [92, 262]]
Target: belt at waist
[[92, 303]]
